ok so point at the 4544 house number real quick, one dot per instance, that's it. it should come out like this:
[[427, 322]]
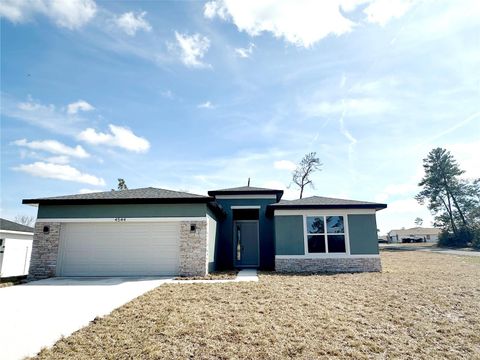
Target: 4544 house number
[[119, 219]]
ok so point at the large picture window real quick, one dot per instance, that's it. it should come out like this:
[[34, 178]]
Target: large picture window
[[326, 234]]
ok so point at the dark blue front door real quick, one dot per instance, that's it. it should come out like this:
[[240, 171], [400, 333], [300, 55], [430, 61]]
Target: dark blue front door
[[246, 243]]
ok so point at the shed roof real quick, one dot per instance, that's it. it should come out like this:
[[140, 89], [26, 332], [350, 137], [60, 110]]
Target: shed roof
[[142, 195], [8, 225]]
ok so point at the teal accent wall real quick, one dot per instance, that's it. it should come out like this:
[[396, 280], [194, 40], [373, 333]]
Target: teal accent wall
[[121, 210], [224, 259], [289, 235], [363, 234]]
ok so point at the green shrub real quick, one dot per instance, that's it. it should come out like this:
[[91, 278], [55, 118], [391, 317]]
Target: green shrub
[[476, 239], [463, 238]]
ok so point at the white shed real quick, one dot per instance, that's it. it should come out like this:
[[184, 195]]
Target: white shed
[[15, 248]]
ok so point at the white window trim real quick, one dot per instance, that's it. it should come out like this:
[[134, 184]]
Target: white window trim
[[345, 233]]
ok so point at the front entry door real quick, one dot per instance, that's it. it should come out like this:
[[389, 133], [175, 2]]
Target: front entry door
[[246, 243]]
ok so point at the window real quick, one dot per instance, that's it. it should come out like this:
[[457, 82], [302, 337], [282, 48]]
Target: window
[[325, 234]]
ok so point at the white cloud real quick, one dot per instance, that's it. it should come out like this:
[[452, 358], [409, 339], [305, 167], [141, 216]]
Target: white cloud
[[130, 22], [245, 52], [192, 49], [54, 147], [119, 137], [168, 94], [284, 165], [60, 159], [71, 14], [206, 105], [382, 11], [289, 193], [302, 22], [89, 191], [46, 116], [60, 172], [80, 105]]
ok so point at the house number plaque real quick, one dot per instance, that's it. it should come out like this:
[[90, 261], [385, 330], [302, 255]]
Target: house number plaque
[[120, 219]]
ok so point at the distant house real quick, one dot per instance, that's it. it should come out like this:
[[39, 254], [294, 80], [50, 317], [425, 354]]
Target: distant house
[[422, 234], [15, 248]]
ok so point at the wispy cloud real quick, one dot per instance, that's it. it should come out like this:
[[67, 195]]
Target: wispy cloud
[[80, 105], [72, 14], [206, 105], [245, 52], [54, 147], [117, 137], [59, 172], [131, 22], [46, 116], [192, 49]]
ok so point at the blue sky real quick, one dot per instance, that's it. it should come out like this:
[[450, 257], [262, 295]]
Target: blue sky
[[196, 96]]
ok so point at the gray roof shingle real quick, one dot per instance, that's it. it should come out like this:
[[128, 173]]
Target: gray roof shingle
[[245, 190], [13, 226], [149, 193], [326, 202]]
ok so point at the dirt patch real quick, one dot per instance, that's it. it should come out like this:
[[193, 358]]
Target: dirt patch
[[216, 275], [423, 306]]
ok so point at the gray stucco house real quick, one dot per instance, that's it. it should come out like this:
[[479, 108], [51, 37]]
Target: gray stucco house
[[153, 231]]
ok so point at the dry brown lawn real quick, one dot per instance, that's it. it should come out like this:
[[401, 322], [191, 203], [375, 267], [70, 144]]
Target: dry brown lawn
[[423, 306]]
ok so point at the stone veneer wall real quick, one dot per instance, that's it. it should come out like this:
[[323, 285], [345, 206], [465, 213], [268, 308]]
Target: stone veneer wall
[[349, 264], [43, 263], [193, 249]]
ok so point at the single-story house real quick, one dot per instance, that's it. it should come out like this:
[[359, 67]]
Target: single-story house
[[15, 248], [423, 234], [153, 231]]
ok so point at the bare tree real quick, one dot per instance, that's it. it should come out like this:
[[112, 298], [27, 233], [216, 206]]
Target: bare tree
[[25, 220], [301, 175]]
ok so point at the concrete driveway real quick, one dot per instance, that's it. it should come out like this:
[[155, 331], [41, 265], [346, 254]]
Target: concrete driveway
[[37, 314]]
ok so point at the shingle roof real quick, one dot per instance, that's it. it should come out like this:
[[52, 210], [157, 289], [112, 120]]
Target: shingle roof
[[148, 194], [326, 202], [13, 226]]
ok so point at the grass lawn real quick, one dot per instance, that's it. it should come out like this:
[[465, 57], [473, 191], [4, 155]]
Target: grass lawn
[[216, 275], [423, 306]]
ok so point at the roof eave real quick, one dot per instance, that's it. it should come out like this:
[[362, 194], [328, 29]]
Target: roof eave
[[245, 192], [332, 206], [193, 200]]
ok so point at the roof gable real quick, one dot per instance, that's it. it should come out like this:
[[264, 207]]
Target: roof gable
[[8, 225]]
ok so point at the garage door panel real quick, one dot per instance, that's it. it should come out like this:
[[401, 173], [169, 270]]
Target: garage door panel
[[119, 249]]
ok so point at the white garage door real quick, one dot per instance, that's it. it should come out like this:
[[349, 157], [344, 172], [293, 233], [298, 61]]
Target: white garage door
[[119, 249]]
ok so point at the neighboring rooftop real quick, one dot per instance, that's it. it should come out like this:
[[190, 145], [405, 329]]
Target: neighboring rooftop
[[149, 194], [8, 225], [417, 231], [327, 203]]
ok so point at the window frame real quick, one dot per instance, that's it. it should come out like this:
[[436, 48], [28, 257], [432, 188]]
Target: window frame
[[324, 215]]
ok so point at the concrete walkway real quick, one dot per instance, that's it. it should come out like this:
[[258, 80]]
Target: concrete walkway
[[35, 315]]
